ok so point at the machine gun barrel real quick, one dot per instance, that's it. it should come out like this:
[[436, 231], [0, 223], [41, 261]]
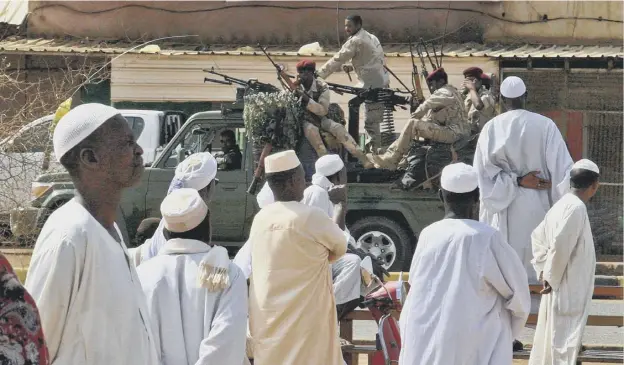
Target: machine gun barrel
[[229, 80]]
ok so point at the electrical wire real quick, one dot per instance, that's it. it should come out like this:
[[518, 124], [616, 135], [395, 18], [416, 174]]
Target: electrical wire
[[317, 7]]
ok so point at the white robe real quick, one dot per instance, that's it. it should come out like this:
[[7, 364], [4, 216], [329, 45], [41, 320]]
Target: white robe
[[346, 272], [469, 297], [563, 249], [194, 326], [509, 146], [92, 308]]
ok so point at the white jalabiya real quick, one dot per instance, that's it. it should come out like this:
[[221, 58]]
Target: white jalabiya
[[563, 249], [194, 325], [469, 297], [510, 146], [92, 308], [346, 274]]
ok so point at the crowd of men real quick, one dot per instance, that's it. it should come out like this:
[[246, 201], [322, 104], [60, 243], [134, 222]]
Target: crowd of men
[[178, 299]]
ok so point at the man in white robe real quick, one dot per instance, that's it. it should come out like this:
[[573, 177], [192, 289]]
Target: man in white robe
[[196, 298], [565, 260], [522, 162], [292, 309], [198, 171], [469, 294], [92, 308], [346, 275]]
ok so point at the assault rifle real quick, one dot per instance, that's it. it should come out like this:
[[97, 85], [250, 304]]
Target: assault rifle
[[252, 84]]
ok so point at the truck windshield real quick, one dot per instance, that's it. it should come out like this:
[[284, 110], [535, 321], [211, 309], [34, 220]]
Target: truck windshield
[[197, 139]]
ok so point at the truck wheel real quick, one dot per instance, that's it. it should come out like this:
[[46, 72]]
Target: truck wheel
[[385, 239]]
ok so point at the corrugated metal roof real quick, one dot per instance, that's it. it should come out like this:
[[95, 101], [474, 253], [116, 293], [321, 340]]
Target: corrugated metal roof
[[64, 46]]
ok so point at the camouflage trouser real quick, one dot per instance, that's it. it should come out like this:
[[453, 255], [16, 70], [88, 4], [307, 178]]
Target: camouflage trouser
[[373, 114], [339, 132], [414, 128]]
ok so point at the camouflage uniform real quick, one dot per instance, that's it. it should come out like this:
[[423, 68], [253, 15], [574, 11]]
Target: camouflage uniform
[[315, 117], [364, 51], [478, 118], [441, 118]]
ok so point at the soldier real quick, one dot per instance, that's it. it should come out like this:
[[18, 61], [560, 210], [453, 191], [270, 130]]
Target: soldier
[[441, 118], [479, 103], [367, 58], [314, 95]]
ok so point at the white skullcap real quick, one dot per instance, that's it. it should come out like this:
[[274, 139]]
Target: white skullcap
[[78, 124], [586, 164], [281, 161], [265, 196], [459, 178], [183, 210], [328, 165], [512, 87], [196, 172]]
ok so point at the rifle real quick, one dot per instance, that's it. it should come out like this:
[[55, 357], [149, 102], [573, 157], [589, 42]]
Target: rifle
[[370, 94], [416, 78], [251, 83], [433, 66], [283, 78]]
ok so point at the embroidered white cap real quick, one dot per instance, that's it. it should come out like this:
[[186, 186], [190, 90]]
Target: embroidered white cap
[[196, 172], [78, 124], [265, 196], [183, 210], [586, 164], [459, 178], [512, 87], [281, 161], [328, 165]]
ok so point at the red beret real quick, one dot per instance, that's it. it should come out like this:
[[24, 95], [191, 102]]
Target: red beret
[[438, 73], [473, 71], [306, 65]]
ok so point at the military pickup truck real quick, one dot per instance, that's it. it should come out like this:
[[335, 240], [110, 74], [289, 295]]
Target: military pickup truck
[[384, 222]]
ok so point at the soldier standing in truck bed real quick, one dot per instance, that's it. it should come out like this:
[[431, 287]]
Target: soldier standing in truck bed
[[441, 118], [314, 95], [367, 60]]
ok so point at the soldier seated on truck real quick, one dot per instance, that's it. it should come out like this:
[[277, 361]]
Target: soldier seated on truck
[[314, 94], [230, 157], [441, 118]]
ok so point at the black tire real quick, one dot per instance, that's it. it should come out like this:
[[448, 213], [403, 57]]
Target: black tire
[[399, 236]]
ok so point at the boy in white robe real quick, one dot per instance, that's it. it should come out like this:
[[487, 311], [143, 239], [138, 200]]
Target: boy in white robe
[[469, 294], [86, 288], [565, 260], [197, 299]]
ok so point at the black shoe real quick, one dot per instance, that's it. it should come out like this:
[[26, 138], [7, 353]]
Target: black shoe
[[517, 346]]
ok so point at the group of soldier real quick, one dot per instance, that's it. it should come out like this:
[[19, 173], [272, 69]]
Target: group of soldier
[[447, 116]]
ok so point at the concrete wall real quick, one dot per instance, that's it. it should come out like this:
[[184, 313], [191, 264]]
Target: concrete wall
[[249, 22]]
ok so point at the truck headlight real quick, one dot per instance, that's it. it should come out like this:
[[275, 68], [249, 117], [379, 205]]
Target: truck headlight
[[38, 189]]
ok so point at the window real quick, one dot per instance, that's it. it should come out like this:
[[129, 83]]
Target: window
[[232, 157], [137, 124], [197, 139]]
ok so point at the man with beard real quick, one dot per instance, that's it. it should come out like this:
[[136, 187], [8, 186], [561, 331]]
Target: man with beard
[[92, 306]]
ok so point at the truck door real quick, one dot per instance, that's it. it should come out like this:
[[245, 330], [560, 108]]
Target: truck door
[[228, 206]]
